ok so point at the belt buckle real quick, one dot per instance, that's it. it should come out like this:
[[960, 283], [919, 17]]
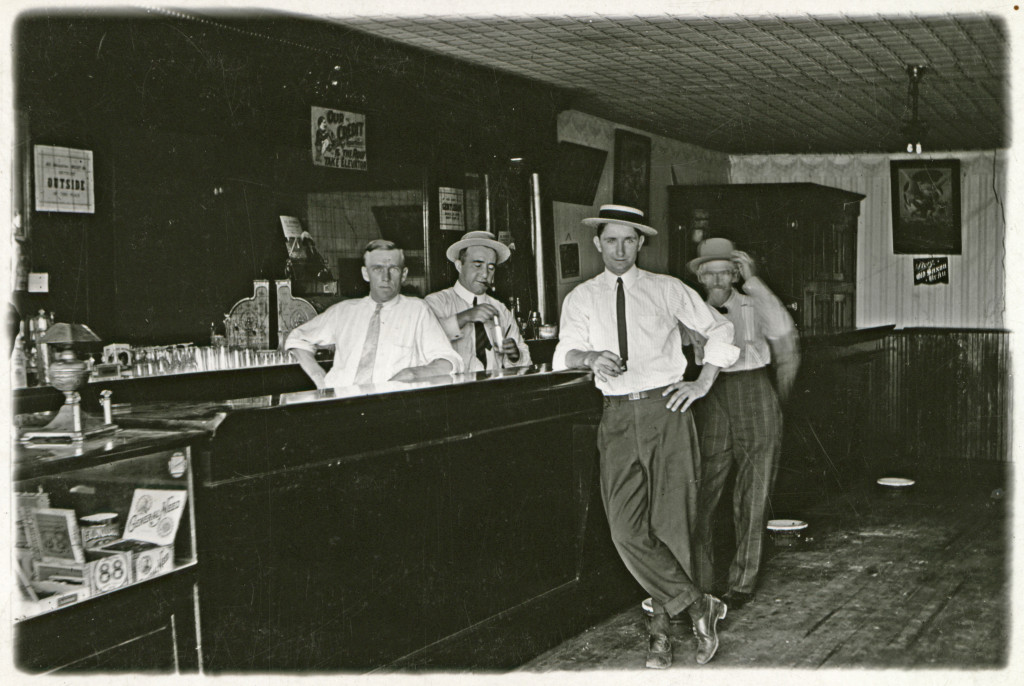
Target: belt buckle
[[639, 395]]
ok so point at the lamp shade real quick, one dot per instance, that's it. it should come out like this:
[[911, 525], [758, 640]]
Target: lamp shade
[[69, 334]]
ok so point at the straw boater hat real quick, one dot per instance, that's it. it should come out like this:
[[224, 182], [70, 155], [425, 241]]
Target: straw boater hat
[[712, 249], [621, 214], [484, 238]]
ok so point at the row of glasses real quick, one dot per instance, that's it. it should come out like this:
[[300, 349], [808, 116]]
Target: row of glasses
[[183, 358]]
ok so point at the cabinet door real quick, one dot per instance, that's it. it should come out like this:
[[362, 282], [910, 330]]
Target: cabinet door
[[753, 220]]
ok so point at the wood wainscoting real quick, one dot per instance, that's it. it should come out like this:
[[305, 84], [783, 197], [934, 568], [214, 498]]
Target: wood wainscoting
[[949, 393], [902, 399]]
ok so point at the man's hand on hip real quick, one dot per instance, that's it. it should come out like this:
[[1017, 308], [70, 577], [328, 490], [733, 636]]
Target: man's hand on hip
[[683, 393]]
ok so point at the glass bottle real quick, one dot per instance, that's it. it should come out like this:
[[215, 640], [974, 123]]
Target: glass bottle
[[533, 325]]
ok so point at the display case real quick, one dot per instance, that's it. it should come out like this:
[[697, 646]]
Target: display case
[[104, 555]]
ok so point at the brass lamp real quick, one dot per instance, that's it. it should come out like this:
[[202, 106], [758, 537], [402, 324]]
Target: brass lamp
[[67, 374]]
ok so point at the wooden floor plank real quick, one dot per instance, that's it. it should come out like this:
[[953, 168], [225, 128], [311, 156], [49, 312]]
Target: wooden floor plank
[[881, 581]]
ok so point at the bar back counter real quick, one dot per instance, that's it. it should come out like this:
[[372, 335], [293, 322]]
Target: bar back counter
[[452, 524]]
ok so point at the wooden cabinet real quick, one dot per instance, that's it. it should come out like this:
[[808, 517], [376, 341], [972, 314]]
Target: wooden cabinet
[[803, 236]]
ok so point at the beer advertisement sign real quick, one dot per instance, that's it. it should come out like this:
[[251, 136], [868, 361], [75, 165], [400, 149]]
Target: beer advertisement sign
[[338, 138]]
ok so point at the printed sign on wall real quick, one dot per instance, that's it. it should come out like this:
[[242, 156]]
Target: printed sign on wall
[[63, 180], [451, 202], [338, 138], [569, 259], [931, 270]]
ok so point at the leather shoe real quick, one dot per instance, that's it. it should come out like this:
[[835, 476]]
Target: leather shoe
[[704, 628], [737, 599], [659, 652], [678, 625]]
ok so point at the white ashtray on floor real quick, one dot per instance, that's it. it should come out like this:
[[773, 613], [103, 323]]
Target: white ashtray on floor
[[786, 525], [895, 482]]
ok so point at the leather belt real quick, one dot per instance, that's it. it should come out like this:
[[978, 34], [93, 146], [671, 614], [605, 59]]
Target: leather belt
[[639, 395]]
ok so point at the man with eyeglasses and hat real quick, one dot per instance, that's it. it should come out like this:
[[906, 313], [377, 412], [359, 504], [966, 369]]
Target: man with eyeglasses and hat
[[623, 325], [480, 328], [740, 420]]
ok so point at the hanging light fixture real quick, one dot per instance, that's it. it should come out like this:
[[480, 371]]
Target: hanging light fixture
[[913, 129]]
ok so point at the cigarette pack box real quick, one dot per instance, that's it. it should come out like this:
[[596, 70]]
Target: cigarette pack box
[[149, 532], [53, 535], [147, 560], [102, 572]]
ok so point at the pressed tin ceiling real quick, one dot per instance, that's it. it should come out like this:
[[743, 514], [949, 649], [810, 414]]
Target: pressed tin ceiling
[[800, 84]]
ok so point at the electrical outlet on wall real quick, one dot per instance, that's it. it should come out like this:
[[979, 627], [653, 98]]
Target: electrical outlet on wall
[[38, 282]]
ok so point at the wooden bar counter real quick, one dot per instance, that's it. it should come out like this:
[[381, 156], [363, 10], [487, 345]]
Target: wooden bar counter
[[450, 524]]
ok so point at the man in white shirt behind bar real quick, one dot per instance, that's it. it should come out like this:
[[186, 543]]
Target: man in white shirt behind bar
[[740, 421], [623, 324], [385, 336], [469, 316]]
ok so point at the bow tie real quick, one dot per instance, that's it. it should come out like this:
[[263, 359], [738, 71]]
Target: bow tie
[[723, 309]]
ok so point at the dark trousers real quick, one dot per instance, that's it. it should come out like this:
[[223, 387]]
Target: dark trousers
[[740, 426], [649, 468]]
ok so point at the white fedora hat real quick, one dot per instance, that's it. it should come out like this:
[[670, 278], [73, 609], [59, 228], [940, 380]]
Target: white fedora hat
[[484, 238], [621, 214]]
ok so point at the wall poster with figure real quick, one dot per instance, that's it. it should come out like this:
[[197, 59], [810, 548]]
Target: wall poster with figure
[[925, 207], [338, 138], [632, 177]]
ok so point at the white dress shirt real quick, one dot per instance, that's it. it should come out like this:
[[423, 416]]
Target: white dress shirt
[[448, 303], [409, 337], [655, 306], [758, 318]]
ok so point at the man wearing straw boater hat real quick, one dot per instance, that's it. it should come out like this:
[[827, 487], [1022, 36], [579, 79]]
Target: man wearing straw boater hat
[[740, 422], [480, 328], [623, 325]]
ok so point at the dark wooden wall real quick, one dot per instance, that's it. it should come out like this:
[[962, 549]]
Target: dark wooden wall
[[174, 107], [949, 396]]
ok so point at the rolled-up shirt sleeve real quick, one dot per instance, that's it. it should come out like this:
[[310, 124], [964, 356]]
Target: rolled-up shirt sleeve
[[696, 315], [317, 332], [775, 320], [441, 304], [433, 341], [572, 331]]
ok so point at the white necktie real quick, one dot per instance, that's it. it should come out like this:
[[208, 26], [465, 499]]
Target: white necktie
[[364, 373]]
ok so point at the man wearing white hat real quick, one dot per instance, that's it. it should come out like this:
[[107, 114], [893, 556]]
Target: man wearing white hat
[[623, 324], [740, 421], [480, 328]]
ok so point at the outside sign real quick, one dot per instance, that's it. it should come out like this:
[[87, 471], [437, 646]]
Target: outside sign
[[64, 178]]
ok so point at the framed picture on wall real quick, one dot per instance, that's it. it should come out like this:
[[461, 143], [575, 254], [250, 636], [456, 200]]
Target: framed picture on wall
[[925, 207], [632, 176]]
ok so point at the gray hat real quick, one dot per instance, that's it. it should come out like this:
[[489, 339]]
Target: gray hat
[[712, 249]]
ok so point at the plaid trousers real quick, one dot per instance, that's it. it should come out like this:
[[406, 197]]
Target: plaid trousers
[[740, 423]]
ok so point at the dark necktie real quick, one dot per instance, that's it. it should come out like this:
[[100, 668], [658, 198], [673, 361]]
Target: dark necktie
[[482, 343], [723, 309], [620, 315]]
